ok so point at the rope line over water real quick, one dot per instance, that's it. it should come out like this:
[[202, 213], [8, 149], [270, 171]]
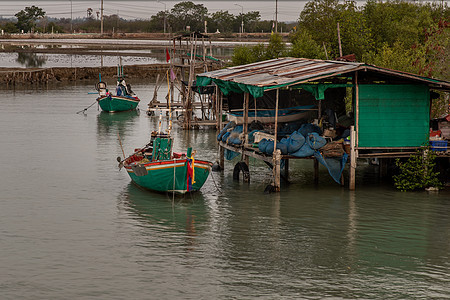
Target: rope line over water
[[84, 110]]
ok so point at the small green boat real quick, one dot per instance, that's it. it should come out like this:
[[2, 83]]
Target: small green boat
[[157, 168], [112, 103], [124, 99]]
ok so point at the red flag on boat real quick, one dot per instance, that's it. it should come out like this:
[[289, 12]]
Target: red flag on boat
[[167, 55]]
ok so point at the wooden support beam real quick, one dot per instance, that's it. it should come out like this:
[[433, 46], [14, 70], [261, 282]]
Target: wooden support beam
[[316, 171], [281, 174], [245, 125], [277, 170], [246, 152], [286, 170], [356, 115], [276, 153], [221, 156], [352, 173], [383, 163]]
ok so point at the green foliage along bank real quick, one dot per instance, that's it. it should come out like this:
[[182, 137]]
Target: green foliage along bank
[[417, 172], [405, 36]]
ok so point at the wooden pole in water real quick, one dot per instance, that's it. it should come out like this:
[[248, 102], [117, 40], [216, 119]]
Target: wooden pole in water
[[354, 138], [245, 127], [316, 171], [286, 169], [276, 153], [356, 115], [352, 172]]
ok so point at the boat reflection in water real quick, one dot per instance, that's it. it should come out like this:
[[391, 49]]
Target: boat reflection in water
[[111, 124], [164, 217]]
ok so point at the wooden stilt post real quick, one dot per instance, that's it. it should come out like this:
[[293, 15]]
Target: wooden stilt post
[[276, 153], [380, 168], [286, 169], [221, 157], [245, 126], [354, 138], [220, 97], [277, 169], [316, 171], [352, 173], [221, 149]]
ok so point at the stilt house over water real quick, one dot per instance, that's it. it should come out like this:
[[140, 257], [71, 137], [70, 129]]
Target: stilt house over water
[[380, 113]]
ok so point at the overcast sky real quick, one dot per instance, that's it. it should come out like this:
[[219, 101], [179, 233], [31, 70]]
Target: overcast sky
[[288, 10]]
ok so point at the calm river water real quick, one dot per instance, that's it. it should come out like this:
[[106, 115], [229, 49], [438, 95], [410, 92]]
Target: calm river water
[[74, 227]]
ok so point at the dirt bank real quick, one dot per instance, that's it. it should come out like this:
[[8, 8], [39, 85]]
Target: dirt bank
[[255, 37], [12, 76]]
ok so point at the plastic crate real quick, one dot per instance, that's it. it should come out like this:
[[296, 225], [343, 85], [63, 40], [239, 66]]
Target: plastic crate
[[438, 145]]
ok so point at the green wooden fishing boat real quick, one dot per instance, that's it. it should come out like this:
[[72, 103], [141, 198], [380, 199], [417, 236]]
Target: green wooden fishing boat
[[110, 103], [123, 100], [156, 167]]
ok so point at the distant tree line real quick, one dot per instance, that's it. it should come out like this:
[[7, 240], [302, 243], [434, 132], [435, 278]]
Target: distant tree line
[[406, 36], [183, 14]]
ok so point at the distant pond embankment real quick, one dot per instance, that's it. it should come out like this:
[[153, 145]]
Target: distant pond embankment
[[46, 75], [32, 61]]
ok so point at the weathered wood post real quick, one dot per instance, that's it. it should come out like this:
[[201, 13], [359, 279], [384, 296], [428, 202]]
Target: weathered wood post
[[316, 171], [354, 138], [353, 157], [245, 158], [276, 153], [219, 96], [286, 169], [221, 157]]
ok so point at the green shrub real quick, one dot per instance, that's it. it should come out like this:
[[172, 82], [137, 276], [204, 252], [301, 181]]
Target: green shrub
[[417, 172]]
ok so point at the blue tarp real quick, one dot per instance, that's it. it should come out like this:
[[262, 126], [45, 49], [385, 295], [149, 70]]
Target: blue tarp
[[304, 142], [335, 166]]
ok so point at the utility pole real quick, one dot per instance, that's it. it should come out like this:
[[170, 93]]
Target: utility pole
[[242, 19], [71, 28], [101, 20], [165, 9], [276, 16], [339, 40]]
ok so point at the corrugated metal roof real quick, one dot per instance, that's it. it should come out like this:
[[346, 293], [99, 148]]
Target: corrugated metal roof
[[281, 71], [289, 71]]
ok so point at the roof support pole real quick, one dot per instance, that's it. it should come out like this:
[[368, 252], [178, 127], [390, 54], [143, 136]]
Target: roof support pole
[[276, 153], [221, 157], [245, 128], [352, 171], [354, 138], [356, 115], [316, 171], [219, 98]]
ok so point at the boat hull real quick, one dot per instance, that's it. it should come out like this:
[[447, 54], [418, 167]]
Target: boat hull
[[169, 176], [268, 115], [117, 103]]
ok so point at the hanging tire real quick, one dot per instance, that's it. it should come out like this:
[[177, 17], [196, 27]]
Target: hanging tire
[[100, 85], [241, 166]]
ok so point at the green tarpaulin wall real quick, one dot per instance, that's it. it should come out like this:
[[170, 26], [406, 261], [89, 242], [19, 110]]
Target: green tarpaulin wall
[[393, 115], [228, 86]]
